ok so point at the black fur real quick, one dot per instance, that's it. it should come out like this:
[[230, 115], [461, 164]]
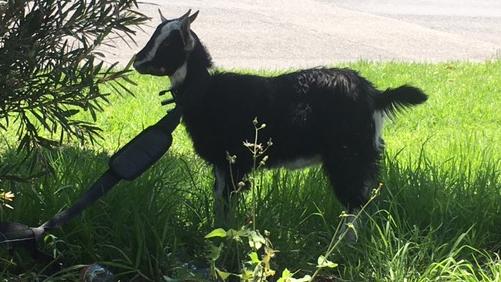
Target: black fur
[[401, 97], [324, 112]]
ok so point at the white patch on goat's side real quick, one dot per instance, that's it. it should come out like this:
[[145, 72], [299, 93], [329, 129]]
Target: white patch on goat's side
[[300, 162], [177, 78], [378, 117]]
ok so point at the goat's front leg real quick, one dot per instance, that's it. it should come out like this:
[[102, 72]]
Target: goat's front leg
[[226, 193], [220, 195], [226, 190]]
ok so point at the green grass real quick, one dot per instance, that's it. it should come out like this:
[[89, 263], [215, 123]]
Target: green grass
[[438, 216]]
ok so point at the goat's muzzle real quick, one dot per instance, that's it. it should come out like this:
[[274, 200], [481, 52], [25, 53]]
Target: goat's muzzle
[[148, 68]]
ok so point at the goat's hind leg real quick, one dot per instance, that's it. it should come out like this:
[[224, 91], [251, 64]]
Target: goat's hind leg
[[353, 174]]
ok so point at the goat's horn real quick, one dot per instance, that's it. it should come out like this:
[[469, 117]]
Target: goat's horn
[[185, 29], [194, 16], [186, 15], [161, 16]]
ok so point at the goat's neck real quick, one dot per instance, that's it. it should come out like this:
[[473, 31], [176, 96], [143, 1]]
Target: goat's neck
[[190, 81]]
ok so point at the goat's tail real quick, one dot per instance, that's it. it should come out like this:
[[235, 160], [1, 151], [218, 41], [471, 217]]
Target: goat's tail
[[394, 99]]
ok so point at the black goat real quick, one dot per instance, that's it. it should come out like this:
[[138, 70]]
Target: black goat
[[327, 115]]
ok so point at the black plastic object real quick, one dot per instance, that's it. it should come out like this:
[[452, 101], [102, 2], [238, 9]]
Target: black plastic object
[[16, 233], [141, 152], [146, 148], [104, 184], [128, 163]]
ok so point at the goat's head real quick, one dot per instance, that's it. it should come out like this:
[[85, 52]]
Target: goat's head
[[168, 48]]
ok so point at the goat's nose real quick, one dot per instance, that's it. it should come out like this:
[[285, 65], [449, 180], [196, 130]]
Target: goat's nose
[[138, 63]]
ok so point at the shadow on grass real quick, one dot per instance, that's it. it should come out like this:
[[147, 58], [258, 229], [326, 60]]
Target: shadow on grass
[[154, 226], [128, 228], [433, 220]]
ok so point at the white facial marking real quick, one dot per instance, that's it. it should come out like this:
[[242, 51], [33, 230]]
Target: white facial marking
[[378, 117], [164, 33], [178, 76]]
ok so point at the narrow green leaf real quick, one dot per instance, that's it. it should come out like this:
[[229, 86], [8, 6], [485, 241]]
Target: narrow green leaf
[[323, 262], [222, 274], [70, 113], [286, 275], [256, 240], [254, 257], [219, 232]]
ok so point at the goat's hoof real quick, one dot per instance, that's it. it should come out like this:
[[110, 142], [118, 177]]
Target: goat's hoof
[[348, 233]]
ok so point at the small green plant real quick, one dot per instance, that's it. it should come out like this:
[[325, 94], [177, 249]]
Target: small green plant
[[256, 266], [259, 158], [259, 251], [257, 263]]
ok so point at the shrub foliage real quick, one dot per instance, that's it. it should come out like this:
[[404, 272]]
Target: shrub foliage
[[50, 69]]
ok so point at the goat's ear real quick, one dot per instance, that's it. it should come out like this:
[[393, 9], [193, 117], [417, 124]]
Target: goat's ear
[[194, 16], [162, 16], [185, 31]]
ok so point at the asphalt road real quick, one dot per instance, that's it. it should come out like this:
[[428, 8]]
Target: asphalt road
[[271, 34]]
